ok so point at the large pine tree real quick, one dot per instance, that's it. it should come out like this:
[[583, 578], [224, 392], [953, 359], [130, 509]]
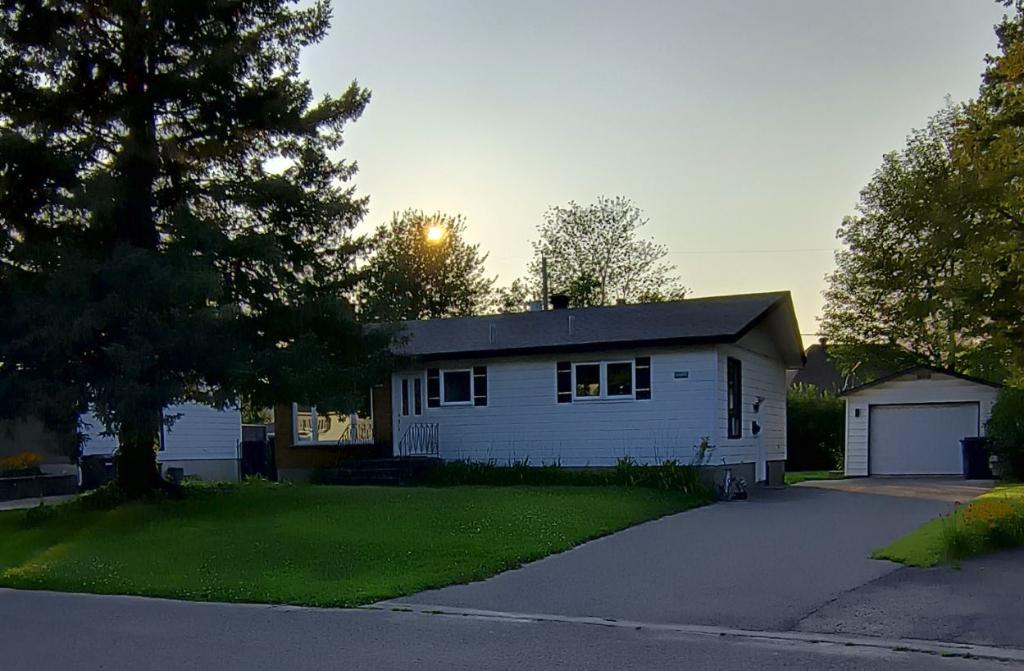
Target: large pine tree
[[173, 223]]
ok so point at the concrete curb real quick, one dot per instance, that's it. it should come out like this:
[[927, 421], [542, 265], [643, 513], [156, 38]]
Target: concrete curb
[[939, 648]]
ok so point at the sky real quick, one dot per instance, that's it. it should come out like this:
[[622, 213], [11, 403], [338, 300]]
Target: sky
[[743, 129]]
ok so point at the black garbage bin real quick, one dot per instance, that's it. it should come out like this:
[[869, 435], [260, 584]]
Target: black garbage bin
[[97, 470], [975, 453]]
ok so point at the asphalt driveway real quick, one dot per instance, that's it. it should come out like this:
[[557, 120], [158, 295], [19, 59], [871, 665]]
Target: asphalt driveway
[[764, 564]]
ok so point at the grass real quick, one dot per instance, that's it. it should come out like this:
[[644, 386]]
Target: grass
[[321, 546], [793, 477], [929, 544]]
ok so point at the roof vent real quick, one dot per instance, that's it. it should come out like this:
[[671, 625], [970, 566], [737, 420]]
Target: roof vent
[[924, 375], [491, 331], [572, 325], [559, 302]]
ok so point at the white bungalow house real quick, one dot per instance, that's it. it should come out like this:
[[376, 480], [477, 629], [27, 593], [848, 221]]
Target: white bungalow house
[[588, 386]]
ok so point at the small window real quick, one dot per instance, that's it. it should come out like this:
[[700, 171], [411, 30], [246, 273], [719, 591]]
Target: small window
[[319, 426], [304, 423], [620, 378], [588, 380], [456, 387], [417, 396], [405, 397], [734, 394], [433, 388]]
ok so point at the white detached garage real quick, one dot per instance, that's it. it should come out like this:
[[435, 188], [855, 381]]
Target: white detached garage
[[911, 422]]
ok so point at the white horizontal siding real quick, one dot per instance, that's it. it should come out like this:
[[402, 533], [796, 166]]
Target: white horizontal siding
[[200, 432], [762, 376], [523, 421], [907, 389]]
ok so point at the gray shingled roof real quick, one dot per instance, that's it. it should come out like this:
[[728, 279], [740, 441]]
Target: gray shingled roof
[[690, 321]]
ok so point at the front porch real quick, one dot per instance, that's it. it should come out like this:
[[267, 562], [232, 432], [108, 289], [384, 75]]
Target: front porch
[[315, 444]]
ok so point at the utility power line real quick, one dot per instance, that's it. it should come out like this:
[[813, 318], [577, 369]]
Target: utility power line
[[756, 251]]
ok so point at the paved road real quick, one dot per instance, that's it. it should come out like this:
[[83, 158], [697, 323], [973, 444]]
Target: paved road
[[761, 564], [982, 601], [56, 632]]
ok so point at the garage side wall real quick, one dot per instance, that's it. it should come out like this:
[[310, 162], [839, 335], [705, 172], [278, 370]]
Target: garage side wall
[[908, 389]]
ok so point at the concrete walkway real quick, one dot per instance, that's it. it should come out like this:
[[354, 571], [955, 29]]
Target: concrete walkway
[[20, 504], [950, 490], [766, 563]]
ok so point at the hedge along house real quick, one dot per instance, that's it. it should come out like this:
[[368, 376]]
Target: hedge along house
[[911, 422], [576, 387]]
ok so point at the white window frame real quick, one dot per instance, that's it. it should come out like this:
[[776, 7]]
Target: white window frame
[[353, 421], [472, 386], [632, 380], [603, 389], [601, 386]]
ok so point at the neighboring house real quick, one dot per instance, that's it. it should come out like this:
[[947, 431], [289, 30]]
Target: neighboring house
[[32, 435], [203, 441], [820, 372], [577, 387], [911, 422]]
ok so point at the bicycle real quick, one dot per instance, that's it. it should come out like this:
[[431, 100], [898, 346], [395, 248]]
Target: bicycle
[[732, 489]]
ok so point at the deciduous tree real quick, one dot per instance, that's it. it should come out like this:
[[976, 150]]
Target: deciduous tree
[[903, 281], [596, 255], [421, 268]]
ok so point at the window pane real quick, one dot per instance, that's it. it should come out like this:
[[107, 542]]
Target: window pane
[[405, 397], [588, 379], [457, 385], [304, 422], [332, 426], [620, 379], [418, 396]]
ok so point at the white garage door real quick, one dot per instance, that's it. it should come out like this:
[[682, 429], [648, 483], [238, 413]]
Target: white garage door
[[919, 439]]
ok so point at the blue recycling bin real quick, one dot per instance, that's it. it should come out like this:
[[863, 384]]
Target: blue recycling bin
[[975, 454]]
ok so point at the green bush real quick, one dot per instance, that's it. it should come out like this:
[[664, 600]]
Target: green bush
[[668, 475], [984, 525], [1005, 430], [814, 429]]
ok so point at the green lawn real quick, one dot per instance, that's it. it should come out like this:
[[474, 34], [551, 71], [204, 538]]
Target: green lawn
[[793, 477], [926, 546], [325, 546]]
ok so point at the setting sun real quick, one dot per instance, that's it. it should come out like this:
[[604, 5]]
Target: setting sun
[[435, 233]]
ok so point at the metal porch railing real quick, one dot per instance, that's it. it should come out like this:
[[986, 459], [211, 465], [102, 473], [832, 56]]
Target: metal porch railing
[[420, 440]]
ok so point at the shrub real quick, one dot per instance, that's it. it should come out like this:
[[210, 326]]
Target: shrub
[[1005, 429], [814, 429], [984, 525], [669, 475], [23, 463]]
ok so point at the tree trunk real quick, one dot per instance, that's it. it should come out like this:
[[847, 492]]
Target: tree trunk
[[137, 470]]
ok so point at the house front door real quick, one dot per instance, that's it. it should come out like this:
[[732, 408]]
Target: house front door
[[410, 404]]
